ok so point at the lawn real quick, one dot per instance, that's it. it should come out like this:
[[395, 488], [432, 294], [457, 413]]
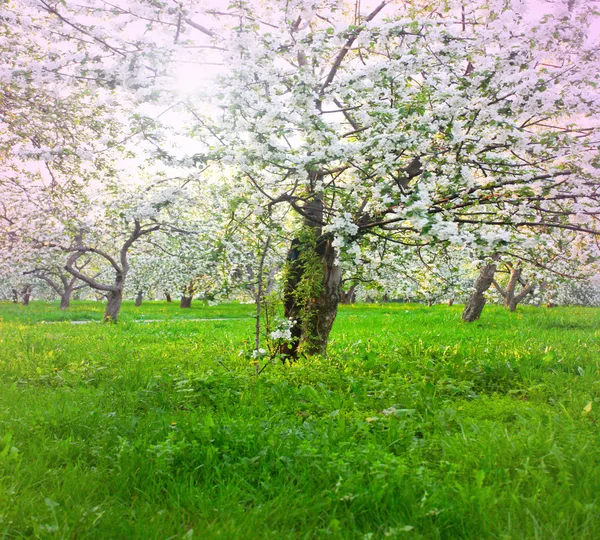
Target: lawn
[[417, 425]]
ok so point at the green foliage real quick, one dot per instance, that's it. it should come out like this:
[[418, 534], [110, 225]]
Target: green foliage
[[415, 425], [310, 285]]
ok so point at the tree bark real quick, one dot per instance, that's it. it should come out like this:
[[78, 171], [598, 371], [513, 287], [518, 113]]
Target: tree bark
[[476, 301], [323, 281], [65, 299], [113, 306], [314, 316], [138, 299], [168, 297], [26, 294], [187, 295], [63, 286], [509, 299], [317, 335], [349, 296]]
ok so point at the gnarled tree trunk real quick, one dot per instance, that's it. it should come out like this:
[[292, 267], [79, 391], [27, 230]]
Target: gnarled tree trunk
[[64, 286], [476, 301], [315, 315], [138, 299], [168, 297], [326, 303], [187, 295], [113, 306], [65, 299], [511, 298], [114, 291]]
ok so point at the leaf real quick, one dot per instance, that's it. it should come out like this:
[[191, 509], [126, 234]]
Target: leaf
[[5, 447], [588, 408], [479, 477], [50, 503]]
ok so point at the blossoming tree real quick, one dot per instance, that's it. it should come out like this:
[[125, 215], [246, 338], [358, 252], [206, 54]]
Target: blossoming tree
[[416, 123], [433, 123]]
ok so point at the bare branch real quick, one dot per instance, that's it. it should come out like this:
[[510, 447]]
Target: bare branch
[[341, 55], [199, 27], [69, 267]]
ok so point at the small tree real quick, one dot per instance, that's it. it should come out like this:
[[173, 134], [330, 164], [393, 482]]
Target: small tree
[[120, 267], [61, 282]]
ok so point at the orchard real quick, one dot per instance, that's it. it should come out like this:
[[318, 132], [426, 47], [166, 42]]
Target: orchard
[[296, 268]]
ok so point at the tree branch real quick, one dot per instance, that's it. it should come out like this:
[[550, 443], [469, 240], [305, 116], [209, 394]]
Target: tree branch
[[341, 55], [86, 279]]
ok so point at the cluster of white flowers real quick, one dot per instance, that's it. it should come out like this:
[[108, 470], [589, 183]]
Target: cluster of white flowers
[[284, 330], [281, 333], [342, 225]]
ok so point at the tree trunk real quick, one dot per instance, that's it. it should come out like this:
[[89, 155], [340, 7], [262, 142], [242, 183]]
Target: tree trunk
[[65, 299], [187, 295], [315, 316], [451, 301], [326, 305], [26, 293], [314, 282], [349, 296], [113, 306], [138, 299], [476, 301], [510, 298], [168, 297]]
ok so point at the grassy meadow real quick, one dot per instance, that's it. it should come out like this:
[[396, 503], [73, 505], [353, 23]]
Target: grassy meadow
[[417, 425]]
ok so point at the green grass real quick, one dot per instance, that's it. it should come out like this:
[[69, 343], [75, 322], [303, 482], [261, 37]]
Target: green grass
[[93, 311], [162, 430]]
